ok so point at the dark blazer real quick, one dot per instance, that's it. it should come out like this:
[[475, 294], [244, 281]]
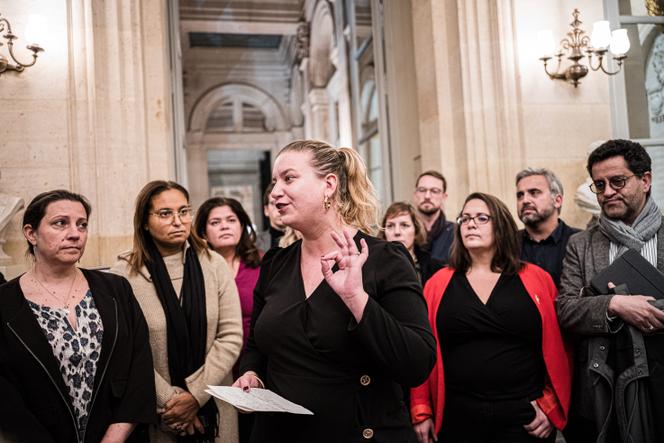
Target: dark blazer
[[587, 255], [441, 242], [35, 405], [391, 346], [582, 316]]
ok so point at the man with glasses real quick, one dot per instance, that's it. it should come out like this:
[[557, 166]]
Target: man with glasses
[[430, 195], [602, 326], [539, 199]]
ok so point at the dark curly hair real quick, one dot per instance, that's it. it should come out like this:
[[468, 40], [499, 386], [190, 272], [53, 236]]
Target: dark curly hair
[[637, 158], [246, 248]]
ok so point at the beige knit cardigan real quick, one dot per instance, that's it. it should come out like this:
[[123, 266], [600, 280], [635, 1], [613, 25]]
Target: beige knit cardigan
[[224, 335]]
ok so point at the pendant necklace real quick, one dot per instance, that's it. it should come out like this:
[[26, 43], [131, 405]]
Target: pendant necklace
[[68, 298]]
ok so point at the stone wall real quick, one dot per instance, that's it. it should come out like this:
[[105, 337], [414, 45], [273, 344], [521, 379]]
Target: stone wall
[[486, 108], [92, 116]]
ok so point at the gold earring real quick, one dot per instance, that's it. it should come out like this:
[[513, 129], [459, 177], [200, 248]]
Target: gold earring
[[326, 203]]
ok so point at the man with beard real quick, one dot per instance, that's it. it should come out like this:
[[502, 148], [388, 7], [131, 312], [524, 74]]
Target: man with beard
[[618, 391], [539, 199], [430, 195]]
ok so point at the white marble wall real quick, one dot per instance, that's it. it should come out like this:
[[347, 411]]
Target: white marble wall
[[92, 116]]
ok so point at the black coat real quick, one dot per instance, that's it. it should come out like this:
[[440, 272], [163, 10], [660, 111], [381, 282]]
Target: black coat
[[427, 265], [35, 405], [313, 352]]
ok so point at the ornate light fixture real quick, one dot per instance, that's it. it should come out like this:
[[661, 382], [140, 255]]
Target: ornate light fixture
[[577, 43], [13, 64]]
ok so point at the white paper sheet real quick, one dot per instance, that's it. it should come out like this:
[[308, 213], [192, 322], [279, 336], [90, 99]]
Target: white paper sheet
[[256, 400]]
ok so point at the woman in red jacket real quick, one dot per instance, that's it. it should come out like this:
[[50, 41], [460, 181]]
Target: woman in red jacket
[[506, 374]]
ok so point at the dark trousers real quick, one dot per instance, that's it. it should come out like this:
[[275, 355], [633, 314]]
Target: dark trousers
[[470, 420], [245, 424], [579, 430]]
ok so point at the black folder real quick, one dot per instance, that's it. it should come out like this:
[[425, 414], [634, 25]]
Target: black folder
[[634, 271]]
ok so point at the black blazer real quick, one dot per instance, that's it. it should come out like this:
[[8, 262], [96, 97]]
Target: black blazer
[[35, 405]]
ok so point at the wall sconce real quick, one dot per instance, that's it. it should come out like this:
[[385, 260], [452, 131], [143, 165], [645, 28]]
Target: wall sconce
[[576, 43], [9, 37]]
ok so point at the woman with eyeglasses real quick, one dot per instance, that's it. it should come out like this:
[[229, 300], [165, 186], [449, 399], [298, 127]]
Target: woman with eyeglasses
[[502, 371], [192, 309]]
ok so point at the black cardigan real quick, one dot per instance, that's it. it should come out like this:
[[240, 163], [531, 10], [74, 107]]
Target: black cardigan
[[35, 405]]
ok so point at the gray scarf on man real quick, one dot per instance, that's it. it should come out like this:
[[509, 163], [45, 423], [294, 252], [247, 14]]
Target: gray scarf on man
[[634, 237]]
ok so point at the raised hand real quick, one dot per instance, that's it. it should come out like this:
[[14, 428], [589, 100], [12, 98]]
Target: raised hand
[[347, 280]]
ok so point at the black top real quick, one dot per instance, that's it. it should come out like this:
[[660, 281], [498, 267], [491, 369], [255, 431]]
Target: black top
[[491, 351], [312, 352], [440, 237], [275, 236], [2, 279], [549, 253], [35, 403], [426, 266]]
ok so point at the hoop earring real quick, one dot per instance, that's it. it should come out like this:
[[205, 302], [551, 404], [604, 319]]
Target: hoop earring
[[326, 203]]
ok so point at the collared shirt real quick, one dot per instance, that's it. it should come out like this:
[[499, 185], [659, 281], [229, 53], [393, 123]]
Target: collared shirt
[[648, 251], [549, 253]]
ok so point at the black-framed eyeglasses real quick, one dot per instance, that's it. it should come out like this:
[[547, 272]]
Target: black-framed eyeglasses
[[479, 219], [616, 183]]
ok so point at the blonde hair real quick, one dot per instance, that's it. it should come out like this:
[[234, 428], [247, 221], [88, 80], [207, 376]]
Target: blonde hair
[[355, 199], [290, 236]]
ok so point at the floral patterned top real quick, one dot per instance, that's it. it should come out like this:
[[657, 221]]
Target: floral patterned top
[[77, 350]]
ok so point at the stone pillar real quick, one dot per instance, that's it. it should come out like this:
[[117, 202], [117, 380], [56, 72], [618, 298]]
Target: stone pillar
[[120, 108], [92, 116], [468, 96], [197, 169], [319, 104], [306, 105], [400, 84]]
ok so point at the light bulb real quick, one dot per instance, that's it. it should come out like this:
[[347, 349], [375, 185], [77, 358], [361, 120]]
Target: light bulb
[[546, 43], [601, 35], [35, 31], [619, 42]]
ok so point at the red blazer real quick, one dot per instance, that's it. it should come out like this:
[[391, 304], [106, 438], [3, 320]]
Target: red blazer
[[428, 399]]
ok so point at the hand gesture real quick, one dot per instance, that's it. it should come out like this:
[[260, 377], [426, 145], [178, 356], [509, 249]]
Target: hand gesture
[[347, 280], [425, 431], [540, 427]]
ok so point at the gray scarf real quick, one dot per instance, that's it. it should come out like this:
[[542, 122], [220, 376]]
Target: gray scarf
[[634, 237]]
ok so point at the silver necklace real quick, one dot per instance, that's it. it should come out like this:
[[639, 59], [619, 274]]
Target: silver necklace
[[67, 300]]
